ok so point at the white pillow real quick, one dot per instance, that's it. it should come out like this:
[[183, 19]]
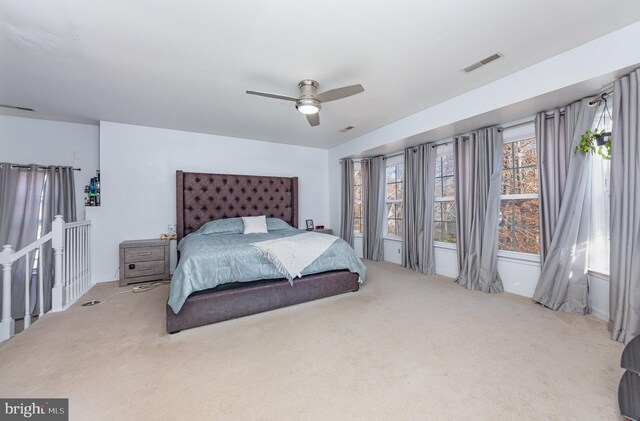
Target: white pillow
[[255, 224]]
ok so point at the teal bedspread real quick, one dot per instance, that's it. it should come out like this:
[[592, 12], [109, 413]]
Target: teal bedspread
[[208, 260]]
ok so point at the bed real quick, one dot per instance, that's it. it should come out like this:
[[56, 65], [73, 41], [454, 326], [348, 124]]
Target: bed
[[204, 197]]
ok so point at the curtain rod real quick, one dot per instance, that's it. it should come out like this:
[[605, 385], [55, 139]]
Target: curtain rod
[[39, 168]]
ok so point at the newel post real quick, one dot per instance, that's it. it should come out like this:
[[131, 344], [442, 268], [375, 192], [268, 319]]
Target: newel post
[[7, 324], [57, 242]]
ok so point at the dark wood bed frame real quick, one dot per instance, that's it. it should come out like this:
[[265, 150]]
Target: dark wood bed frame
[[203, 197]]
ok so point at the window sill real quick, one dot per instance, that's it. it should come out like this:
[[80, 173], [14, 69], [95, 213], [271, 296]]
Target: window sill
[[390, 238], [443, 245], [517, 256], [600, 273]]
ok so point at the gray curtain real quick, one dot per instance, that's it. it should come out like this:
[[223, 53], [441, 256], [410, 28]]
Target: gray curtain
[[373, 207], [20, 194], [555, 135], [478, 172], [58, 199], [346, 214], [419, 198], [565, 209], [624, 283]]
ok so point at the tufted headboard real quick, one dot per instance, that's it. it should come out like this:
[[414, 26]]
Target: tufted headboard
[[203, 197]]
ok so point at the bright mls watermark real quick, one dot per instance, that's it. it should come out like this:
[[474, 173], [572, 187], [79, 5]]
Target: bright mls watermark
[[34, 409]]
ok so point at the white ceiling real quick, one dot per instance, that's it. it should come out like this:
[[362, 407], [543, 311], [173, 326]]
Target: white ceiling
[[186, 64]]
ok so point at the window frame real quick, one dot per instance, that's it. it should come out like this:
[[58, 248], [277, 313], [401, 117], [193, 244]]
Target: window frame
[[512, 135], [445, 149], [389, 163]]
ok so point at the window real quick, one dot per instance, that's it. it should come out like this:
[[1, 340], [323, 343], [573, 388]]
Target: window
[[600, 174], [444, 212], [519, 220], [394, 195], [357, 199]]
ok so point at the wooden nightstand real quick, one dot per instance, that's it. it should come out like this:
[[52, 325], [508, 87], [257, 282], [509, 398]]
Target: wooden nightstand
[[325, 231], [143, 261]]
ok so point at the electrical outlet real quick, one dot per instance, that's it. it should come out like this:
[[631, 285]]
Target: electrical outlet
[[398, 250]]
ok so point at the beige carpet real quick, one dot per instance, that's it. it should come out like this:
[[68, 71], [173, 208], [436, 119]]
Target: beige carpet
[[405, 347]]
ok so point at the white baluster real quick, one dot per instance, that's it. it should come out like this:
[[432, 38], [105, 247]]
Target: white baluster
[[57, 242], [84, 263], [7, 324], [66, 266], [85, 271], [27, 293], [76, 258], [89, 279], [40, 282]]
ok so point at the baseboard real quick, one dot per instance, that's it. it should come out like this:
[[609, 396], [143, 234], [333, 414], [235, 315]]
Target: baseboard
[[518, 291], [447, 274], [72, 302], [600, 314]]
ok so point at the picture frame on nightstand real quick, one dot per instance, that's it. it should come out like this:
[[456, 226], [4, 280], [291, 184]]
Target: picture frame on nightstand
[[309, 224]]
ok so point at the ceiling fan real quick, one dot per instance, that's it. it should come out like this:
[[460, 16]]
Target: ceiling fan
[[309, 102]]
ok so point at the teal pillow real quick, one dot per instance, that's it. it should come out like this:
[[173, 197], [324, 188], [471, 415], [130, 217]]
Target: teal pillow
[[222, 226], [277, 224]]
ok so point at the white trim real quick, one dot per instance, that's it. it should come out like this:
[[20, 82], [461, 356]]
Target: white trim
[[598, 274], [443, 245], [518, 257], [445, 199], [391, 238], [514, 134], [599, 314], [519, 196], [395, 160]]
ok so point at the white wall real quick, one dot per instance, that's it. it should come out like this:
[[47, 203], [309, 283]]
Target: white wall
[[45, 142], [138, 166]]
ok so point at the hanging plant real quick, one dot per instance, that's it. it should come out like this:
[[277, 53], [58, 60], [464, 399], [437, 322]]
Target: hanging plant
[[597, 140]]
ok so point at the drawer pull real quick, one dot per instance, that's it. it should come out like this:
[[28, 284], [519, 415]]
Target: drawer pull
[[143, 269], [144, 254]]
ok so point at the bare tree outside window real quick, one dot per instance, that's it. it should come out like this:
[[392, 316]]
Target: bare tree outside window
[[394, 196], [444, 215], [357, 201], [519, 219]]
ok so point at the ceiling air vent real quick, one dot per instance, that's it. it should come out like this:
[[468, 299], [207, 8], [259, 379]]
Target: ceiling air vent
[[482, 62], [15, 107], [346, 129]]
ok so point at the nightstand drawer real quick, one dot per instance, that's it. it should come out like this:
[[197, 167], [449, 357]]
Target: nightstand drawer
[[143, 254], [135, 270]]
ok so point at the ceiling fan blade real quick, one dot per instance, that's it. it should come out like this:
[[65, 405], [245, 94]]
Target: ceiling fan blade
[[270, 95], [340, 93], [314, 119]]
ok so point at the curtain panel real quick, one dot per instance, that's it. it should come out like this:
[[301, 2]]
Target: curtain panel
[[373, 207], [20, 194], [58, 199], [478, 174], [24, 193], [419, 197], [565, 208], [347, 219], [624, 283]]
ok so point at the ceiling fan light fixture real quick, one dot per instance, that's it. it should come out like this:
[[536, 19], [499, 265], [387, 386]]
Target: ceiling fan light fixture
[[308, 106], [308, 109]]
